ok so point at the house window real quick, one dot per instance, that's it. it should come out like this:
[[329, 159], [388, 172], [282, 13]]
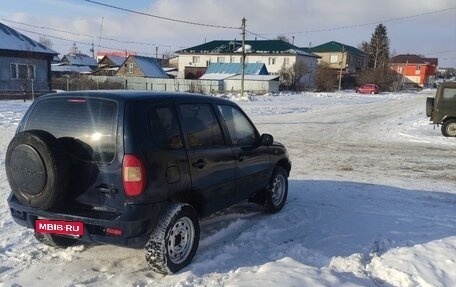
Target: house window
[[286, 61], [333, 59], [22, 71], [14, 71], [195, 59], [130, 68], [231, 59], [220, 59], [31, 71], [418, 67], [272, 61]]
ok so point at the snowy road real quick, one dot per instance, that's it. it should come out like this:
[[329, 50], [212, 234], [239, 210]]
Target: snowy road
[[371, 203]]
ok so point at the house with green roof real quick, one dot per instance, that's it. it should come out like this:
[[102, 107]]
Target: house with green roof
[[275, 54], [338, 55]]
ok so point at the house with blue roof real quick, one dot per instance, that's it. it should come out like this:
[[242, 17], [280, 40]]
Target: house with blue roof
[[220, 71], [109, 65], [25, 64], [274, 54], [140, 66], [256, 77]]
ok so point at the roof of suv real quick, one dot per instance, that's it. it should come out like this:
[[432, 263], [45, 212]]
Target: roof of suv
[[133, 95]]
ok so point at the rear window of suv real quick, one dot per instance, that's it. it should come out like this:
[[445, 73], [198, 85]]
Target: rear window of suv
[[86, 127]]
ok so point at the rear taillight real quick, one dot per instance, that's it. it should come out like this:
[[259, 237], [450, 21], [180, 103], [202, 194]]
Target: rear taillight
[[133, 175]]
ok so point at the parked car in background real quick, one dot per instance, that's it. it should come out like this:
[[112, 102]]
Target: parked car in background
[[367, 89], [138, 169]]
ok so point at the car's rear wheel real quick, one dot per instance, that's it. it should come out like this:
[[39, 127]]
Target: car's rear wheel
[[277, 190], [429, 106], [55, 240], [449, 128], [173, 243]]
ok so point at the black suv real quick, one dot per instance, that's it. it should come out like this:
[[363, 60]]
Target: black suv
[[138, 169]]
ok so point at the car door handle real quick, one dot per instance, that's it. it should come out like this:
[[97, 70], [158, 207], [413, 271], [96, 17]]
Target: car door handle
[[199, 164]]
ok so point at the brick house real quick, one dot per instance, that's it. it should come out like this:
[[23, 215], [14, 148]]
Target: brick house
[[414, 69]]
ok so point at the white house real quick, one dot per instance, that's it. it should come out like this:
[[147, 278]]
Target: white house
[[275, 54]]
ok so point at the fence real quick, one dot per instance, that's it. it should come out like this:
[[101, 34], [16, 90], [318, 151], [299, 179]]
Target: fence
[[158, 84]]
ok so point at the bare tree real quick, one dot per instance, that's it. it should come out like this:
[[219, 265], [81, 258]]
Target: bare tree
[[45, 41], [325, 78], [291, 76]]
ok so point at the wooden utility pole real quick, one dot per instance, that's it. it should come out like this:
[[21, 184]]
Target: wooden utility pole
[[341, 66], [243, 56]]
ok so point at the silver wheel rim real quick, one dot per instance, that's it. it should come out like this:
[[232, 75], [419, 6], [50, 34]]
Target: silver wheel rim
[[180, 240], [451, 129], [278, 189]]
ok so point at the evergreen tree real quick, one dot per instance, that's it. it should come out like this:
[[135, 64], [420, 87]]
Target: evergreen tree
[[378, 48]]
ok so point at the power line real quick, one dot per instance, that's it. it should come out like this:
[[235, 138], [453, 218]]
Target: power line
[[161, 17], [80, 42], [361, 25], [87, 35], [259, 35]]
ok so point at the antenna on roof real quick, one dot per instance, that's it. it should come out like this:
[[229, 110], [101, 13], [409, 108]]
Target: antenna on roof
[[101, 31]]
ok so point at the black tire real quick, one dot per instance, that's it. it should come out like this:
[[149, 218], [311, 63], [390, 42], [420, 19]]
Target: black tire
[[429, 106], [173, 243], [449, 128], [36, 169], [55, 240], [277, 190]]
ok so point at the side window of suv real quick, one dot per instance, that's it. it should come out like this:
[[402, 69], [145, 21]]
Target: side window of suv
[[200, 125], [241, 130], [164, 128]]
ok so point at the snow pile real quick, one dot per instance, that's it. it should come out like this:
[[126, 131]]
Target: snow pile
[[371, 202]]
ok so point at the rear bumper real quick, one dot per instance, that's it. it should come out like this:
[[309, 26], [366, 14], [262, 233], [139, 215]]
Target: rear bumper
[[136, 222]]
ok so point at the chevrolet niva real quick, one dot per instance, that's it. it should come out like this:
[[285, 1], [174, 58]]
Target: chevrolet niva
[[138, 169]]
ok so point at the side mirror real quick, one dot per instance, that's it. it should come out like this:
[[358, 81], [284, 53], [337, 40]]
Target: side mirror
[[266, 139]]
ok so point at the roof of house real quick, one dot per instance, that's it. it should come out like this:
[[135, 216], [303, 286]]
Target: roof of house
[[113, 60], [149, 66], [71, 69], [334, 46], [15, 41], [251, 46], [413, 59], [236, 68], [216, 76], [79, 60], [256, 77]]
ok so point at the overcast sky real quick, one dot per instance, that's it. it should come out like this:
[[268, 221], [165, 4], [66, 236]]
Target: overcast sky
[[414, 26]]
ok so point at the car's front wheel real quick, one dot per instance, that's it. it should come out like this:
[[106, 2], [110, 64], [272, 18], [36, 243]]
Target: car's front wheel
[[449, 128], [173, 243], [277, 190]]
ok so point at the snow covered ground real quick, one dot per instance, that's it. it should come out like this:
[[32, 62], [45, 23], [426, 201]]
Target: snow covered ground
[[371, 203]]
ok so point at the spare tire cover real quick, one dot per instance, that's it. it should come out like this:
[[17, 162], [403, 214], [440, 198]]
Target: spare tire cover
[[36, 169]]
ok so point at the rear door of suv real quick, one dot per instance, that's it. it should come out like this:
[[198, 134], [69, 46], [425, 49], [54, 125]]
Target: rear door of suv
[[87, 128], [211, 160]]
